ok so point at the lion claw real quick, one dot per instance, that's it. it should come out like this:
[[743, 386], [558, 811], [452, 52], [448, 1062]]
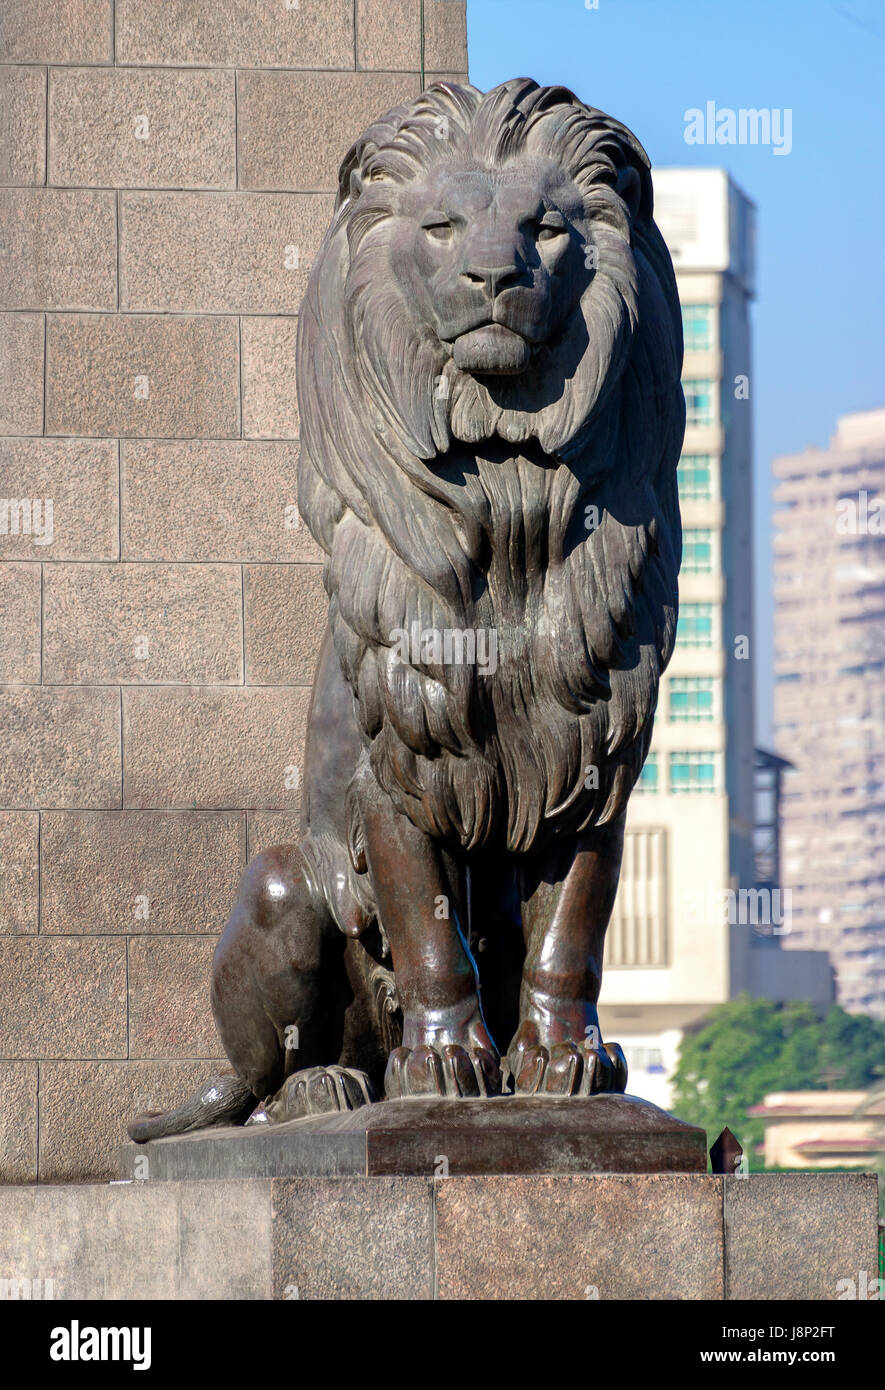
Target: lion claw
[[445, 1070], [567, 1068]]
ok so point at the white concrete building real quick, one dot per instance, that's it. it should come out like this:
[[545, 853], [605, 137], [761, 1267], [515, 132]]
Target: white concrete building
[[677, 944]]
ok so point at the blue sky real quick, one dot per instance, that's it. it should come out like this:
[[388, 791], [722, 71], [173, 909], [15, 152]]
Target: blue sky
[[819, 345]]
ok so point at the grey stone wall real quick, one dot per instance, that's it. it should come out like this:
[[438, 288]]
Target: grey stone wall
[[167, 172]]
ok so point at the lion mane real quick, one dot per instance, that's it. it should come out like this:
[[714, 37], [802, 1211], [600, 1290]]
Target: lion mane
[[542, 507]]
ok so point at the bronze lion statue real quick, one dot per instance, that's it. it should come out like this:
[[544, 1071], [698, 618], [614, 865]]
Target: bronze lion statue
[[489, 360]]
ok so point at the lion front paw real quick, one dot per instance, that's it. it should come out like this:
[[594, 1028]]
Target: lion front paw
[[316, 1091], [566, 1068], [444, 1070]]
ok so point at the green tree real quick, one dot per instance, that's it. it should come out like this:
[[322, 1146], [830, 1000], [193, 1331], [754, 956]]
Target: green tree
[[748, 1047]]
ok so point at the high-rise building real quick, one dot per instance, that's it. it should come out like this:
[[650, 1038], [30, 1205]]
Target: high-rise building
[[829, 575], [682, 937]]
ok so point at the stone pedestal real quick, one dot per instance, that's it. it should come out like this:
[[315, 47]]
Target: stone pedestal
[[432, 1137], [508, 1236]]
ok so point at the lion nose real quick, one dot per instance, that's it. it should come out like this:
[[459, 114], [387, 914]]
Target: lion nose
[[493, 279]]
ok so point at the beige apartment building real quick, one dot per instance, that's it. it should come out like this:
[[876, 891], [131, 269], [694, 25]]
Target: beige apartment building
[[684, 935], [824, 1129], [830, 700]]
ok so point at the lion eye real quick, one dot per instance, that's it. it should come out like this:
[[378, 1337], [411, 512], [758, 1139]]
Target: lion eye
[[549, 230], [439, 231]]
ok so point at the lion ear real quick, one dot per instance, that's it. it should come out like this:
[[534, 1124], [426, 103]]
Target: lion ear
[[632, 180], [629, 189], [350, 180]]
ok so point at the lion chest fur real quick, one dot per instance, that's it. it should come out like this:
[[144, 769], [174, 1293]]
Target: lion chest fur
[[521, 707]]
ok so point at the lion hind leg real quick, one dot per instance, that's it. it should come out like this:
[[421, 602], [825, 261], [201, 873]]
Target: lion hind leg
[[277, 974]]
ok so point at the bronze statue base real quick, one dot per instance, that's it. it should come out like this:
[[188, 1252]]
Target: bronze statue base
[[438, 1138]]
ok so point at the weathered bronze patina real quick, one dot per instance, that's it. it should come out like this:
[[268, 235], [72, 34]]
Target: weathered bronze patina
[[489, 358]]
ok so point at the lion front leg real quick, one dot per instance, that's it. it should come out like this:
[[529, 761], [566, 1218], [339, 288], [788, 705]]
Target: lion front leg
[[446, 1049], [568, 893]]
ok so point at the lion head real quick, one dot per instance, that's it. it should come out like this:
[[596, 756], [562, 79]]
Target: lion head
[[489, 362]]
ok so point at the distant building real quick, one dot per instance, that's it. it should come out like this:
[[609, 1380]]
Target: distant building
[[682, 938], [824, 1129], [829, 636]]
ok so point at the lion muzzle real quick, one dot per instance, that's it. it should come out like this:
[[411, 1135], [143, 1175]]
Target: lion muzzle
[[492, 350]]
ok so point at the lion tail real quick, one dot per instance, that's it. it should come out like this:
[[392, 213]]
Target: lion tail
[[222, 1100]]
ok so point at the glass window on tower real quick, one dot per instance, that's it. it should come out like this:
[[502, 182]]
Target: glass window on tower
[[698, 327], [697, 550], [700, 401], [691, 699], [692, 772], [695, 478], [695, 625], [648, 777]]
